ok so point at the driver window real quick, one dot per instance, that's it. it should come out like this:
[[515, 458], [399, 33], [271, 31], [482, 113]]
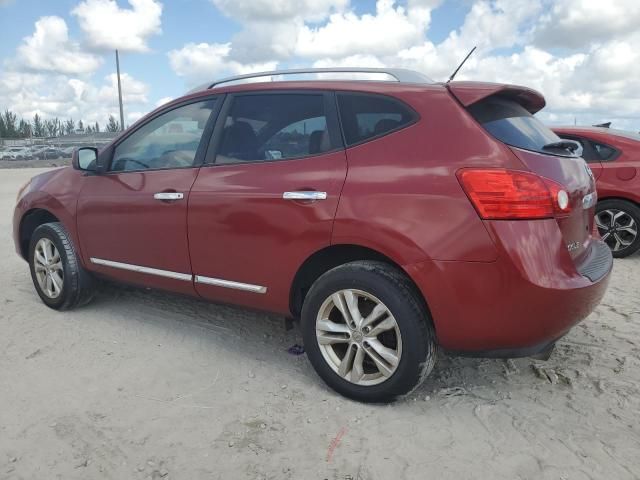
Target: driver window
[[168, 141]]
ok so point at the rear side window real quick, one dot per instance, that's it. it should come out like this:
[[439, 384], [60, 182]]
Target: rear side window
[[605, 152], [514, 125], [274, 127], [365, 117]]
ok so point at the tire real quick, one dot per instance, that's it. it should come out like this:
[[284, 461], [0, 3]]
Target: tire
[[77, 284], [411, 340], [618, 232]]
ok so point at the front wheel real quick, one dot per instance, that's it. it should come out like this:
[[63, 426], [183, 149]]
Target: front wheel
[[367, 332], [617, 222], [57, 274]]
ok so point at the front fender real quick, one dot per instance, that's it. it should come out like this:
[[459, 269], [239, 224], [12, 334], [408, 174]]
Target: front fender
[[55, 192]]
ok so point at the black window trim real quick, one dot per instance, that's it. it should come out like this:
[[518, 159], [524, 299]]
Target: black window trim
[[106, 156], [330, 111], [415, 115]]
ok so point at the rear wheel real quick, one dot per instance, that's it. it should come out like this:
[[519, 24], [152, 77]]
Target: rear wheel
[[57, 274], [617, 222], [367, 332]]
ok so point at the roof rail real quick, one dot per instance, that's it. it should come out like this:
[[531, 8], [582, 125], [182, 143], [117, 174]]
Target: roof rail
[[397, 74]]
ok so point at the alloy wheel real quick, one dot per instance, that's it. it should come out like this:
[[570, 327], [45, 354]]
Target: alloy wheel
[[48, 268], [358, 337], [617, 228]]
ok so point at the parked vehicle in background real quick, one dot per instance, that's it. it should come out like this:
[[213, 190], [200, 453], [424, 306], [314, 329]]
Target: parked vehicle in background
[[49, 154], [37, 149], [390, 217], [16, 153], [67, 152], [614, 158]]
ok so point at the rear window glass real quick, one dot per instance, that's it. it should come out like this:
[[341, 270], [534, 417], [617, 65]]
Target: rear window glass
[[514, 125], [365, 117]]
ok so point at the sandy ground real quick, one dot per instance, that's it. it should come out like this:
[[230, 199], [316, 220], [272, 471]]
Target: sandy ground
[[147, 385]]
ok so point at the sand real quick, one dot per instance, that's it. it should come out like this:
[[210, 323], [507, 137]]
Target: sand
[[142, 384]]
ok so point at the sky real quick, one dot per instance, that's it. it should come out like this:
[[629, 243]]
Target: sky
[[57, 56]]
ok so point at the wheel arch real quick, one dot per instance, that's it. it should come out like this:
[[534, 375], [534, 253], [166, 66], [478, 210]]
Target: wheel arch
[[31, 220], [619, 198], [333, 256]]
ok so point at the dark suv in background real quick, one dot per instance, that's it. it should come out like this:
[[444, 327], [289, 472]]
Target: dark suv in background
[[390, 216]]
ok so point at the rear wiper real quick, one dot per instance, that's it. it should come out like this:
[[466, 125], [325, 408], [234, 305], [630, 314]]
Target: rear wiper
[[570, 145]]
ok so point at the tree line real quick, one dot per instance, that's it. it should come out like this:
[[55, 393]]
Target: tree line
[[12, 127]]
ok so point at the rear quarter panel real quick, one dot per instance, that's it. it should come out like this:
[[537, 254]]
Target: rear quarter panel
[[402, 196], [620, 178]]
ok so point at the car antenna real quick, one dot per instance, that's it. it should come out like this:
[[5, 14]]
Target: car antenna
[[460, 66]]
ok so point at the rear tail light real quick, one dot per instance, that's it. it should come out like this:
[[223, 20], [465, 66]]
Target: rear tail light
[[500, 194]]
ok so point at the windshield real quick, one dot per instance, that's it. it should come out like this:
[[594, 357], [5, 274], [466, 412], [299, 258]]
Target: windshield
[[512, 124]]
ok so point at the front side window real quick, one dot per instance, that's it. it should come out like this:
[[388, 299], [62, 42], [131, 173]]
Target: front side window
[[168, 141], [274, 127], [366, 117]]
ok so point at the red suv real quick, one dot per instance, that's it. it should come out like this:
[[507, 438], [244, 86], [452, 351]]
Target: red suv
[[614, 158], [390, 216]]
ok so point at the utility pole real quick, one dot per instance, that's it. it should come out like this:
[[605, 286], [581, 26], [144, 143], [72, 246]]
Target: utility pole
[[119, 92]]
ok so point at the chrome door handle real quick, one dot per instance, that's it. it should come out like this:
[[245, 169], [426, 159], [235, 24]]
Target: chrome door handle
[[311, 195], [168, 196]]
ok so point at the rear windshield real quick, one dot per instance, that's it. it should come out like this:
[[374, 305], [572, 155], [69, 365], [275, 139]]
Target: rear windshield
[[512, 124]]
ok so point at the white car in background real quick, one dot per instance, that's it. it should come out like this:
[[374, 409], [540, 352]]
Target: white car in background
[[15, 153]]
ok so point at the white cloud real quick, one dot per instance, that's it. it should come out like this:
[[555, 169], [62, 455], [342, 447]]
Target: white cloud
[[579, 23], [202, 62], [517, 43], [107, 26], [56, 95], [279, 10], [52, 75], [581, 54], [49, 49], [390, 29]]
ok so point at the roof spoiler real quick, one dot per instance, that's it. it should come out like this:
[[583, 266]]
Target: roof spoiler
[[469, 93]]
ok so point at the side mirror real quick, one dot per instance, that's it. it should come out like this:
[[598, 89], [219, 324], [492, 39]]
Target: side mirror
[[85, 159]]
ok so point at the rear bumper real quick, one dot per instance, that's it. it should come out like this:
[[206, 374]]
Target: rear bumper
[[519, 304]]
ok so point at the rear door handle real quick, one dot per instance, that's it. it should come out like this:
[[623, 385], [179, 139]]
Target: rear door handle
[[301, 195], [168, 196]]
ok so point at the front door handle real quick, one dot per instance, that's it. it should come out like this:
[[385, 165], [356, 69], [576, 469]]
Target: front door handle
[[168, 196], [301, 195]]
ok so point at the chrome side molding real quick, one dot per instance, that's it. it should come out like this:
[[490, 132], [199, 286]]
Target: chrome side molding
[[219, 282], [137, 268]]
